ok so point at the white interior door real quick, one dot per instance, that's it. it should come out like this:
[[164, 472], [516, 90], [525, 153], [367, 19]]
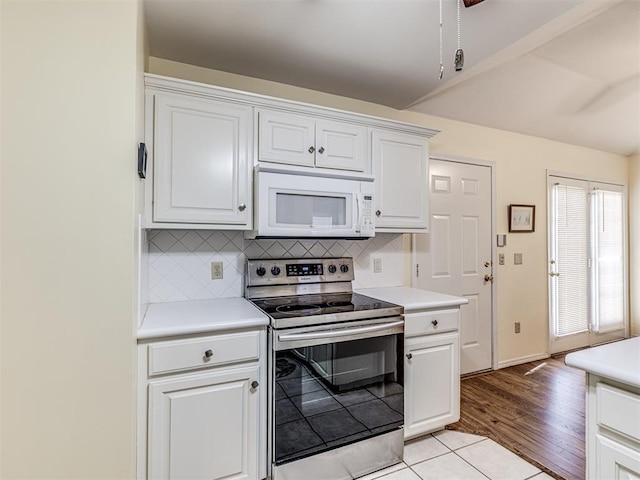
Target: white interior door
[[456, 256]]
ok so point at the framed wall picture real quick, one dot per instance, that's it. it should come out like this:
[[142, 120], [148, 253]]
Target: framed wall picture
[[522, 218]]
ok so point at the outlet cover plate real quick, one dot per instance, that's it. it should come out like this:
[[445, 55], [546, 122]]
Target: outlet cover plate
[[217, 270]]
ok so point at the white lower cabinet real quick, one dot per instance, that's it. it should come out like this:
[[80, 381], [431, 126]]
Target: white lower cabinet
[[202, 415], [616, 461], [613, 430], [431, 372], [204, 425]]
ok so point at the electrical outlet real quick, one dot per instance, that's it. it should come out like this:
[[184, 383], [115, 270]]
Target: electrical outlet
[[217, 270], [517, 259], [377, 265], [501, 259], [517, 327]]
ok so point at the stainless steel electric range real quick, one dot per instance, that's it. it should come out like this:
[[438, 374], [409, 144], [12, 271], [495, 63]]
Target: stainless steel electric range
[[336, 402]]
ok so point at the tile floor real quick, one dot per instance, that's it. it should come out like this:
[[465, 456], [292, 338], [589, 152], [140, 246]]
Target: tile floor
[[451, 455]]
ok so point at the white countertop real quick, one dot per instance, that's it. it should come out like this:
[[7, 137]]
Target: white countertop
[[199, 316], [413, 298], [619, 361]]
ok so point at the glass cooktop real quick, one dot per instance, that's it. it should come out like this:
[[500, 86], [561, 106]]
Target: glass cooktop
[[323, 304]]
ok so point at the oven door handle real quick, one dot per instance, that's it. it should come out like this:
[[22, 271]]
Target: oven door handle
[[338, 333]]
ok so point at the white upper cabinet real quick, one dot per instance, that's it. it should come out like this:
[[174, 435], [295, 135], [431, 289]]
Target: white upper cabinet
[[302, 140], [400, 166], [201, 161], [204, 141]]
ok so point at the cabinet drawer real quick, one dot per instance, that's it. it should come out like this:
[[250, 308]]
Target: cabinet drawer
[[424, 323], [618, 410], [180, 355]]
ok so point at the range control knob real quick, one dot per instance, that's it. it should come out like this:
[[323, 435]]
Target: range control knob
[[275, 271], [332, 269], [260, 271], [344, 268]]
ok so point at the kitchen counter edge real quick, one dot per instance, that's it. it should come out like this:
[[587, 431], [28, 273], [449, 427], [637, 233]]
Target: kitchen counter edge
[[413, 298], [618, 361], [169, 319]]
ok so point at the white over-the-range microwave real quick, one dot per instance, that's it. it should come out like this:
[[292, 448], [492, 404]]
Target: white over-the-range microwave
[[298, 202]]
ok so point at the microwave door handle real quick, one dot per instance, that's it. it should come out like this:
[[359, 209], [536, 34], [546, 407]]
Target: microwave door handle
[[338, 333], [358, 214]]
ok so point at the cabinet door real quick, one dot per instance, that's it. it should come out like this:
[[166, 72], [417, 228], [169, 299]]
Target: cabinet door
[[202, 171], [204, 426], [341, 145], [400, 165], [432, 383], [615, 461], [286, 138]]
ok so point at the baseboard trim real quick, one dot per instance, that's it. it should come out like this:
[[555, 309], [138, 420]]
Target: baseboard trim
[[521, 360]]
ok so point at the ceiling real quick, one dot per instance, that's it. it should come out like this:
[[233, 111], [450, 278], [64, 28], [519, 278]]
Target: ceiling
[[566, 70]]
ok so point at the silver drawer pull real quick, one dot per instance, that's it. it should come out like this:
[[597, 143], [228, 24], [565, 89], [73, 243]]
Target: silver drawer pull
[[254, 384], [434, 323], [409, 356], [208, 353]]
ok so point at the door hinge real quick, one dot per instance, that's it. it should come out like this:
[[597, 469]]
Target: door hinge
[[417, 270]]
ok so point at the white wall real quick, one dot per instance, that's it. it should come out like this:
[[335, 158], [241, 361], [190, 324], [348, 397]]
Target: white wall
[[71, 75], [634, 242], [521, 163]]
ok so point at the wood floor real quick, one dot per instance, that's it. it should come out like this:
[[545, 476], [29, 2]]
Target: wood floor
[[539, 415]]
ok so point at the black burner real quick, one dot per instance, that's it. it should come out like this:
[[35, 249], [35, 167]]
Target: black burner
[[299, 310], [339, 303]]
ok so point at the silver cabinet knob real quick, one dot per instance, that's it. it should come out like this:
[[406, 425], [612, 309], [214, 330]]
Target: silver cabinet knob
[[434, 323], [378, 213], [321, 150], [312, 149], [409, 356], [254, 384], [208, 353], [242, 207]]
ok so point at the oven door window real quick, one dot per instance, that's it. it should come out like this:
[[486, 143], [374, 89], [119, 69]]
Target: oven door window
[[334, 394]]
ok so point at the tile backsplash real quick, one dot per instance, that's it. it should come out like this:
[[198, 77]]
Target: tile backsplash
[[179, 261]]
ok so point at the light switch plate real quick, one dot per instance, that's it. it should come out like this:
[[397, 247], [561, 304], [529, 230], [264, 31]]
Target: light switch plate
[[377, 265], [501, 259], [517, 259]]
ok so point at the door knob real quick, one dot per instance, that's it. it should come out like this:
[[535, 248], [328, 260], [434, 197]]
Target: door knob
[[488, 278]]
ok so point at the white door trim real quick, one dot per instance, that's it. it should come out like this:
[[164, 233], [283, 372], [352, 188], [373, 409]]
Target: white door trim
[[494, 254]]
